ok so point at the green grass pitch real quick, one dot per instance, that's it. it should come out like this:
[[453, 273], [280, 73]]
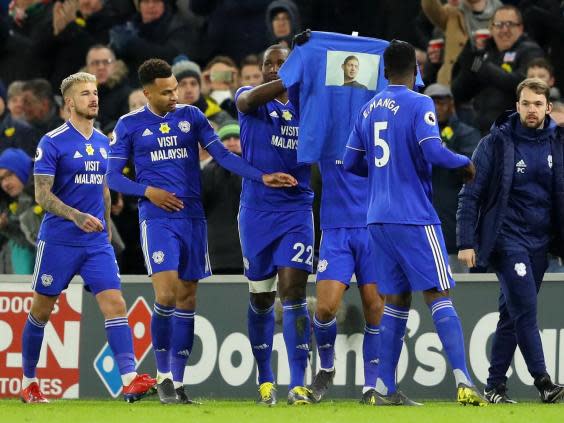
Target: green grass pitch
[[86, 411]]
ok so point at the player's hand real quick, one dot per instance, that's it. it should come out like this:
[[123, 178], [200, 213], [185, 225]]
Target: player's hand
[[467, 257], [87, 222], [301, 38], [468, 172], [164, 199], [279, 180]]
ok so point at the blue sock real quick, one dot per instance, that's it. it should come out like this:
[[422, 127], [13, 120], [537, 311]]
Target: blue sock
[[392, 331], [325, 335], [450, 332], [296, 331], [182, 342], [260, 324], [32, 339], [161, 331], [118, 334], [371, 354]]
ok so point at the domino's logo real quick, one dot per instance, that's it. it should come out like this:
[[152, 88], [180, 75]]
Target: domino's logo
[[139, 318]]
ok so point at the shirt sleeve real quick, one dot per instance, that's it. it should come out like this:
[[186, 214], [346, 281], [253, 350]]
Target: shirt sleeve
[[46, 158], [260, 112], [291, 71], [206, 134], [356, 138], [120, 142], [426, 124]]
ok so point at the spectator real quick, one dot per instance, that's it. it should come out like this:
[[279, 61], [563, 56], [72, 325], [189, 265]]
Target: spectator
[[189, 79], [557, 113], [282, 21], [15, 100], [40, 110], [14, 133], [251, 73], [542, 69], [544, 22], [462, 139], [490, 76], [155, 31], [136, 99], [20, 34], [458, 20], [220, 80], [233, 27], [220, 195], [20, 217], [76, 26], [113, 86]]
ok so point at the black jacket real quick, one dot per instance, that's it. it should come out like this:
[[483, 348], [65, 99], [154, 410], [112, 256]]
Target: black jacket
[[66, 52], [482, 203], [17, 134], [490, 77], [20, 55], [221, 190], [164, 38], [448, 182]]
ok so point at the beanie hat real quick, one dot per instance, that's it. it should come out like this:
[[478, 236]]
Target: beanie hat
[[229, 130], [182, 68], [17, 162]]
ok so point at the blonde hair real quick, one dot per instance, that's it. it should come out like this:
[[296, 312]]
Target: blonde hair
[[70, 80], [536, 85]]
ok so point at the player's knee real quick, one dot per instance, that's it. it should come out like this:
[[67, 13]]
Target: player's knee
[[113, 306], [41, 310], [263, 300], [292, 292], [186, 302], [373, 311], [165, 298], [326, 311]]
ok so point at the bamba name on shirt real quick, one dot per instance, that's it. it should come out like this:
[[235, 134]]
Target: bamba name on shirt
[[382, 102], [168, 154], [90, 178]]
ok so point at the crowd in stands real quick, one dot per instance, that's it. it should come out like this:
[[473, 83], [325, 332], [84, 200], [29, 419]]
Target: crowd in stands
[[472, 55]]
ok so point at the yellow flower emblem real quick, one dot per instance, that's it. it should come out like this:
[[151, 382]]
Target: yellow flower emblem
[[286, 115], [447, 133], [89, 149], [165, 129], [507, 67], [9, 132], [80, 22], [37, 209], [126, 170], [13, 206]]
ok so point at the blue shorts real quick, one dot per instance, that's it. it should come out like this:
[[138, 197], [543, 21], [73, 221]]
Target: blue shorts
[[56, 265], [344, 251], [176, 244], [410, 258], [270, 240]]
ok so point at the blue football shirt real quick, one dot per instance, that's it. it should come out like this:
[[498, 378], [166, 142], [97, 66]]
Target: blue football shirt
[[165, 155], [344, 197], [390, 130], [269, 140], [78, 165]]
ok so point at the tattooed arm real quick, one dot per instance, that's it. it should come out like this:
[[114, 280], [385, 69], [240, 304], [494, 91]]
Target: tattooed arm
[[107, 210], [52, 204]]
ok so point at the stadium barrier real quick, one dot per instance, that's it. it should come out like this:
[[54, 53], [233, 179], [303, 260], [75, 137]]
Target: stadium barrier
[[77, 362]]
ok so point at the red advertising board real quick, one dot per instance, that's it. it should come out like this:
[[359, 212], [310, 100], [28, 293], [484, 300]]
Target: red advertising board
[[57, 370]]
